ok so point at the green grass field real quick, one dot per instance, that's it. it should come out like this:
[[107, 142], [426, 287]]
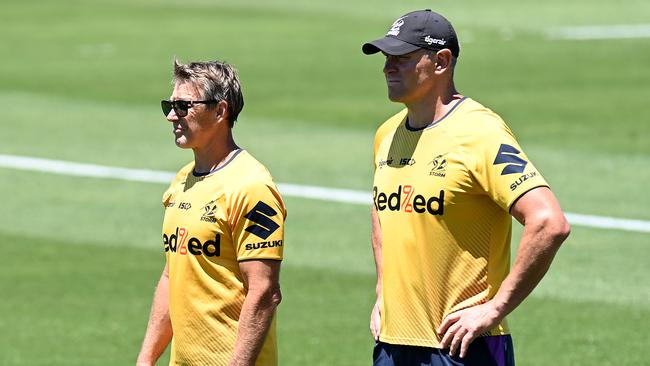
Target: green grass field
[[81, 81]]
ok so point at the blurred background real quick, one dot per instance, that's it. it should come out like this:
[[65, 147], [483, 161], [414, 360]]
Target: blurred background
[[81, 81]]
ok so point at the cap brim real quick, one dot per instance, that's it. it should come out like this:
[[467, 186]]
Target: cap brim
[[389, 45]]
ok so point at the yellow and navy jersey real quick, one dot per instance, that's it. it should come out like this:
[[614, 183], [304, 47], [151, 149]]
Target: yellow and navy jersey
[[212, 223], [443, 195]]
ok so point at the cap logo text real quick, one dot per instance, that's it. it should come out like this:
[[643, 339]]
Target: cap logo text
[[431, 41]]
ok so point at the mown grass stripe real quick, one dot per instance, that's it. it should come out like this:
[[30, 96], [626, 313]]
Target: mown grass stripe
[[600, 32], [288, 189]]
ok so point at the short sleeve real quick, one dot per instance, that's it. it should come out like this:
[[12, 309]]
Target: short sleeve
[[257, 220], [501, 167]]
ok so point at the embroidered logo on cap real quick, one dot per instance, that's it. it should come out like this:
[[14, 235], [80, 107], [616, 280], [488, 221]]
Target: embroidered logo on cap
[[395, 28], [431, 41]]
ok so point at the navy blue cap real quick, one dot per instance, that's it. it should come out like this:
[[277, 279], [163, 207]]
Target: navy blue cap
[[415, 30]]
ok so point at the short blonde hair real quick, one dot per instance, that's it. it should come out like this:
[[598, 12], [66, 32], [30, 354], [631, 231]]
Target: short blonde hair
[[215, 80]]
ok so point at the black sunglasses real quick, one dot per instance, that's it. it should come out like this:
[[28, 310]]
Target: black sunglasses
[[181, 107]]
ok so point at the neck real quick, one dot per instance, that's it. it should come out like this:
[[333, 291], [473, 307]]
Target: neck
[[435, 106], [213, 156]]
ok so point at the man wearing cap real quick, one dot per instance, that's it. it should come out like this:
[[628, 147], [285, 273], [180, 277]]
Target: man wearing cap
[[449, 174]]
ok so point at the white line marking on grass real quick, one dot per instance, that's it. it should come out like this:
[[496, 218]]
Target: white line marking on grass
[[596, 32], [292, 190], [605, 222], [84, 170], [326, 194]]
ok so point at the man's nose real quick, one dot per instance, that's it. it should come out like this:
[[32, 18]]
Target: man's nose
[[172, 116], [389, 66]]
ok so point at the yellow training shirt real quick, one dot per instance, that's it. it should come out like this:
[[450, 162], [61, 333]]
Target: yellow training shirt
[[212, 223], [443, 195]]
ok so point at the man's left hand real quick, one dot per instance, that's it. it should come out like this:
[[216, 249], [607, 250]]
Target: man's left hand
[[462, 327]]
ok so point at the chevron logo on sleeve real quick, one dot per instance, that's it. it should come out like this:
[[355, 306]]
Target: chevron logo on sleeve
[[260, 215], [508, 155]]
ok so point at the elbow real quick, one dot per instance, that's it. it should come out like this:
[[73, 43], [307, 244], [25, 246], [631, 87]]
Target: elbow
[[275, 297], [553, 226], [563, 231], [557, 228], [268, 297]]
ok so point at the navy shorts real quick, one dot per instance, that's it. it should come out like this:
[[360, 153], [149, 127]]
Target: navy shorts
[[484, 351]]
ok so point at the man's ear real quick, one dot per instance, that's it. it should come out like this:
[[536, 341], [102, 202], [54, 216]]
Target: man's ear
[[221, 112], [443, 61]]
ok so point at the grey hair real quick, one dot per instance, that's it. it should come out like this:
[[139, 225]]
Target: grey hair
[[215, 80]]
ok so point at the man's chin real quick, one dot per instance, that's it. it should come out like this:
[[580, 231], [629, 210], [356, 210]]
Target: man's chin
[[394, 95], [182, 142], [395, 98]]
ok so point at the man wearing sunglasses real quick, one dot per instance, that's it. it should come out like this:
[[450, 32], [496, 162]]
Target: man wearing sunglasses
[[449, 176], [223, 234]]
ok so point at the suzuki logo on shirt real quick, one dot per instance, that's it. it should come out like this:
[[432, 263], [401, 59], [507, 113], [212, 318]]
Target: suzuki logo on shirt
[[405, 199]]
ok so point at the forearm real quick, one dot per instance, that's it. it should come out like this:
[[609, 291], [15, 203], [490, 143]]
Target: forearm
[[375, 238], [254, 323], [159, 329], [539, 243], [545, 228]]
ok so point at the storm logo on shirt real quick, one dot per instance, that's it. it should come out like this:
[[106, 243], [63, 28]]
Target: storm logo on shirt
[[181, 243], [438, 166], [406, 200], [210, 211]]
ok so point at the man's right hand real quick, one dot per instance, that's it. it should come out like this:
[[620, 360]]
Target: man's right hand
[[375, 320]]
